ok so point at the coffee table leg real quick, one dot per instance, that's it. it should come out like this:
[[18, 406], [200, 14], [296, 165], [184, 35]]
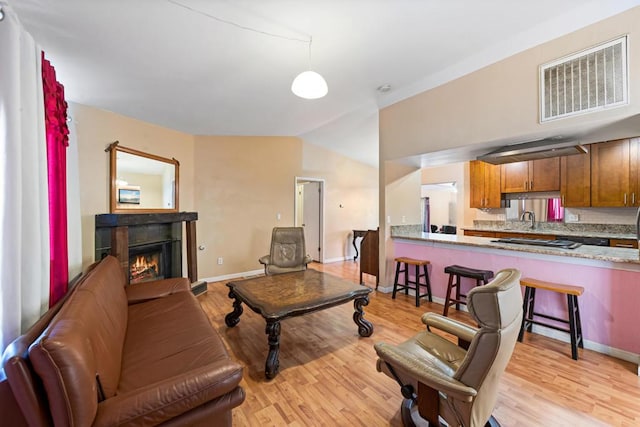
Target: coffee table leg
[[273, 364], [365, 328], [233, 318]]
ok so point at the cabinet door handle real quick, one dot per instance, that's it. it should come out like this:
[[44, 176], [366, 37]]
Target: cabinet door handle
[[624, 245], [531, 186], [563, 200], [633, 199], [526, 185], [625, 199]]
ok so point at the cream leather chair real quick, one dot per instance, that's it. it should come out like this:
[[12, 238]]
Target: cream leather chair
[[458, 382], [288, 252]]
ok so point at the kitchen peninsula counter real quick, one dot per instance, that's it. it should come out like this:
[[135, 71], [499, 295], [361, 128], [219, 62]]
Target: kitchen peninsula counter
[[609, 275], [601, 253]]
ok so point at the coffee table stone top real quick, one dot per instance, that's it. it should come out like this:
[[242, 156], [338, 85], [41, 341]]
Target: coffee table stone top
[[293, 294]]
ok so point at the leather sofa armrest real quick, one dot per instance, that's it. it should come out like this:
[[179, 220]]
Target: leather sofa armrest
[[461, 330], [162, 401], [423, 372], [145, 291]]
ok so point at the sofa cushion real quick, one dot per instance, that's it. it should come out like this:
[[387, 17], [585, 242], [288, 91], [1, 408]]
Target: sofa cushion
[[166, 337]]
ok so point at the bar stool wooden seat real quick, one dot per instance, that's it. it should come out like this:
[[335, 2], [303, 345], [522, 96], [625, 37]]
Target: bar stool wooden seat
[[572, 292], [402, 266], [482, 277]]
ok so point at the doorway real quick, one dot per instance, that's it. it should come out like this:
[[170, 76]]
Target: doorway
[[309, 208]]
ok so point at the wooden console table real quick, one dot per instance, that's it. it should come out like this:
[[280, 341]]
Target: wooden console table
[[370, 261], [356, 234]]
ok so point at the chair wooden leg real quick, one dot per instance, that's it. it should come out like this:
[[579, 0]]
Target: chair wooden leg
[[417, 286], [572, 327], [428, 282], [447, 300], [406, 279], [395, 281], [532, 307], [525, 308], [578, 323]]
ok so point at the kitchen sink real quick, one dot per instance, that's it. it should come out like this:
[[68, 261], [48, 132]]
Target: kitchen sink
[[563, 244]]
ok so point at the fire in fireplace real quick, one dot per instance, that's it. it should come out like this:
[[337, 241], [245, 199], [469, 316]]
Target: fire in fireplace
[[145, 267]]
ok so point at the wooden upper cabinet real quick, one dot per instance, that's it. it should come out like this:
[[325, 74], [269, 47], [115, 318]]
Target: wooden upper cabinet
[[484, 185], [514, 177], [575, 180], [534, 175], [614, 173]]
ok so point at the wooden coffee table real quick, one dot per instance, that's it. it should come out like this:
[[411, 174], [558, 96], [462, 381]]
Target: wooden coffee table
[[294, 294]]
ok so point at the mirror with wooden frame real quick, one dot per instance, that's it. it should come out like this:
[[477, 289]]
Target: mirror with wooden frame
[[141, 182]]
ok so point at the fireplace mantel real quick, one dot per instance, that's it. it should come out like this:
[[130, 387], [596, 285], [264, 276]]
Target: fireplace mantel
[[115, 220], [119, 244]]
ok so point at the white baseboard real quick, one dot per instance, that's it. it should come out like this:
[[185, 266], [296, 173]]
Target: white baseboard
[[233, 276], [589, 345], [338, 259]]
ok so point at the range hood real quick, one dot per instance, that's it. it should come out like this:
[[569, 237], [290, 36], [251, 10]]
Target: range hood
[[533, 150]]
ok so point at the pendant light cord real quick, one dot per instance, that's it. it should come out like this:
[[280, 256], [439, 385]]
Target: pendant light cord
[[242, 27]]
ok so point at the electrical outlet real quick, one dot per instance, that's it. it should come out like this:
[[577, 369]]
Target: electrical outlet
[[502, 217], [404, 219], [220, 260], [573, 218]]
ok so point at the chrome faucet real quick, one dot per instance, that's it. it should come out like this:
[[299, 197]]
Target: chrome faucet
[[532, 217]]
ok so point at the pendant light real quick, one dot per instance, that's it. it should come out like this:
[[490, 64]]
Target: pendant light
[[309, 84]]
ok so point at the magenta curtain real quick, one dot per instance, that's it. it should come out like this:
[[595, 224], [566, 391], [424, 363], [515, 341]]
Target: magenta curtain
[[55, 108]]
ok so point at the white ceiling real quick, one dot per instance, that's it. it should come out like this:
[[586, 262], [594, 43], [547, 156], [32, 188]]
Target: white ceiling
[[163, 63]]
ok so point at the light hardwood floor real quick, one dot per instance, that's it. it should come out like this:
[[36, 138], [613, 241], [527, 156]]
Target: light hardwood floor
[[328, 376]]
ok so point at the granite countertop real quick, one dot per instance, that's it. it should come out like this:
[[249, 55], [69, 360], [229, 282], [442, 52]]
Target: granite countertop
[[609, 231], [579, 233], [602, 253]]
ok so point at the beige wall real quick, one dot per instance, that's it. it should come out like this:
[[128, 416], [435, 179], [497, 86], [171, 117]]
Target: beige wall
[[401, 198], [237, 185], [500, 101], [96, 129], [241, 184], [351, 197]]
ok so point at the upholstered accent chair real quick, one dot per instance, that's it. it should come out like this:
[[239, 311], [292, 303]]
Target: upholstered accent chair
[[288, 252], [458, 382]]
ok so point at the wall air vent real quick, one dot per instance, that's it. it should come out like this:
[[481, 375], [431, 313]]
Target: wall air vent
[[589, 80]]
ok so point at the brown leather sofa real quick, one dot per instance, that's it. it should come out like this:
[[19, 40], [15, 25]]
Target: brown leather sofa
[[116, 355]]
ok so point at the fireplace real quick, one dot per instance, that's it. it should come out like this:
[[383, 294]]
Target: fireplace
[[149, 262], [149, 246]]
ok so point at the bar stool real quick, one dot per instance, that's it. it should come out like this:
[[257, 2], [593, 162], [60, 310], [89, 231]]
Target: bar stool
[[406, 262], [572, 292], [482, 278]]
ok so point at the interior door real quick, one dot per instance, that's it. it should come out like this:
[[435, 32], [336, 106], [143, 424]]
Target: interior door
[[311, 218]]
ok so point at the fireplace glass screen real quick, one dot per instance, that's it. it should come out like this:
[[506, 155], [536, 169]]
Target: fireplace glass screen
[[145, 267]]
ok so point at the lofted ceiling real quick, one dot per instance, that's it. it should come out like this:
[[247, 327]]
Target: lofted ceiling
[[175, 63]]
